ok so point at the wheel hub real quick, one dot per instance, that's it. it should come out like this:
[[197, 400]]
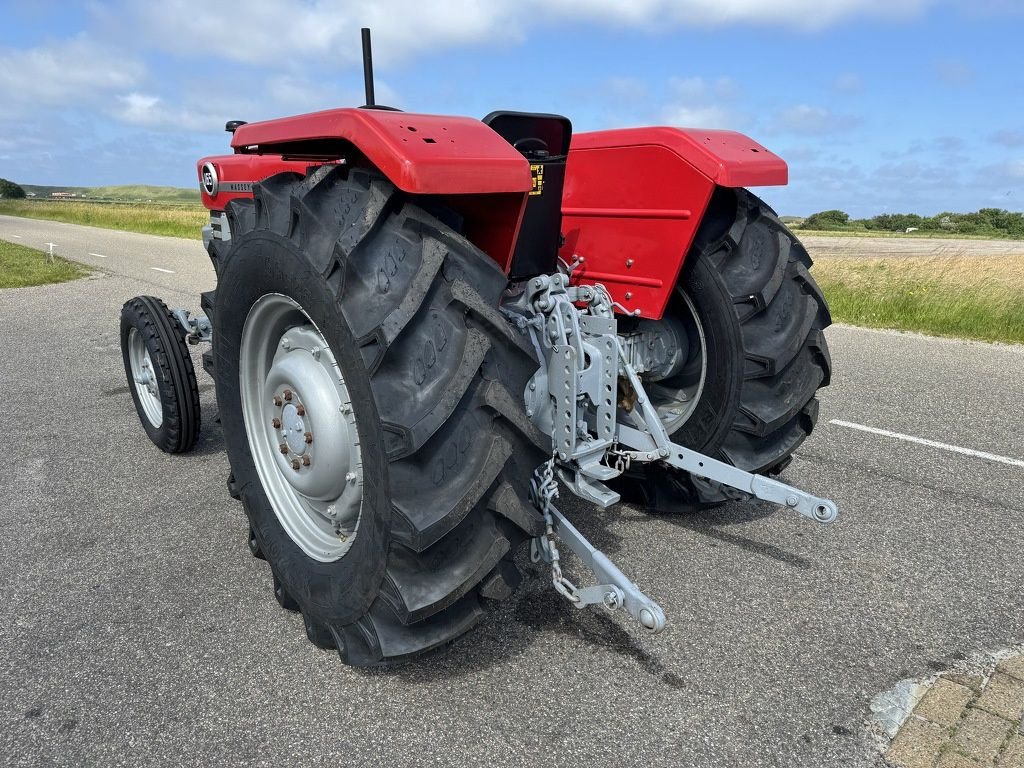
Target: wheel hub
[[293, 429], [144, 377], [301, 427]]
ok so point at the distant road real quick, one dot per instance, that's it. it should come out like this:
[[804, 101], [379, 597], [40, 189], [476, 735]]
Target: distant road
[[896, 247], [173, 263], [146, 255]]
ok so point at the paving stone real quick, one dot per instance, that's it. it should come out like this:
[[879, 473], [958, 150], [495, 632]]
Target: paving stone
[[1013, 667], [1003, 696], [1013, 757], [917, 744], [954, 759], [975, 682], [982, 734], [944, 703]]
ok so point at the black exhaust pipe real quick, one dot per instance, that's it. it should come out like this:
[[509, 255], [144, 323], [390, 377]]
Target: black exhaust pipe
[[368, 68]]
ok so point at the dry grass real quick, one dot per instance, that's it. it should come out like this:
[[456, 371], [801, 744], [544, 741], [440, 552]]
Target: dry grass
[[966, 296], [151, 219]]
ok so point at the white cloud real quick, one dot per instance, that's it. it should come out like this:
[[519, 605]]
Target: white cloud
[[71, 72], [810, 120], [701, 117], [698, 102], [149, 111], [282, 34]]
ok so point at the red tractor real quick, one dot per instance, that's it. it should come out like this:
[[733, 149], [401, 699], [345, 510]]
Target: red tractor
[[421, 323]]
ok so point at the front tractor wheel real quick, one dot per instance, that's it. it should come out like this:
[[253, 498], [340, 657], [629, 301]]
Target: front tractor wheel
[[161, 378], [747, 320], [369, 394]]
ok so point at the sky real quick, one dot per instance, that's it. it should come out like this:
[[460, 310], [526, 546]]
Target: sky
[[877, 105]]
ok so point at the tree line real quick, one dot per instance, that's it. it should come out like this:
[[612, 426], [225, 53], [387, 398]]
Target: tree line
[[9, 189], [992, 222]]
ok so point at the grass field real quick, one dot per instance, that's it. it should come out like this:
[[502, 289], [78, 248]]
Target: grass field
[[21, 267], [964, 296], [150, 219]]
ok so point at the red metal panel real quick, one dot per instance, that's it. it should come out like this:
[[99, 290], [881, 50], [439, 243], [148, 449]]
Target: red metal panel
[[728, 158], [421, 154], [634, 198], [237, 173], [631, 213]]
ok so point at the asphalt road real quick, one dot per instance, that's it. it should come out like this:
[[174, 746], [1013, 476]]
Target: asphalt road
[[135, 629]]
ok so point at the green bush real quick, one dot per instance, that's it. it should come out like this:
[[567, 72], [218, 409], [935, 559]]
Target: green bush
[[11, 190]]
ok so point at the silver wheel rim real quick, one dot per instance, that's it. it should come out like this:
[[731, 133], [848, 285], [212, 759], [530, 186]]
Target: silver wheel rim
[[301, 427], [675, 399], [144, 378]]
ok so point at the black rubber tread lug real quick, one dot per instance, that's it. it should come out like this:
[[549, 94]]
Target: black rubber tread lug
[[443, 482], [762, 456], [502, 582], [779, 332], [398, 641], [419, 584], [272, 199], [319, 634], [241, 213], [284, 599], [439, 356], [770, 403], [254, 545], [511, 504]]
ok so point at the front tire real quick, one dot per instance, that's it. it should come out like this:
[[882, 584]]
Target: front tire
[[407, 309], [161, 378]]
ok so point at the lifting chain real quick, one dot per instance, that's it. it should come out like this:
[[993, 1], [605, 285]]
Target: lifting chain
[[543, 492]]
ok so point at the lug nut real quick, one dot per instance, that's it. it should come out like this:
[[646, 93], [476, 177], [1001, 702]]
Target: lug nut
[[305, 461], [276, 422], [295, 464], [309, 438], [284, 448], [300, 410], [350, 477], [288, 395], [278, 401]]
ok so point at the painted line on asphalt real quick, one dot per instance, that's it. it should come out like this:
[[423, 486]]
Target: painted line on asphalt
[[930, 443], [97, 255], [161, 269], [17, 236]]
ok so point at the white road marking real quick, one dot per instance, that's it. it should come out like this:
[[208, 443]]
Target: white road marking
[[930, 443], [97, 255], [17, 236], [161, 269]]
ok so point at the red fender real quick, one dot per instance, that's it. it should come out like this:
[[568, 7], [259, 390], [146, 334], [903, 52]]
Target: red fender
[[634, 198], [477, 172]]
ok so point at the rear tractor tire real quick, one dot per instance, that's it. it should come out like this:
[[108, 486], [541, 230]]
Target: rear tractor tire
[[754, 321], [161, 378], [370, 395]]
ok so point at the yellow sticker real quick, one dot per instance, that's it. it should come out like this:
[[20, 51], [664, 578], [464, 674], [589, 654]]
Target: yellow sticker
[[537, 172]]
